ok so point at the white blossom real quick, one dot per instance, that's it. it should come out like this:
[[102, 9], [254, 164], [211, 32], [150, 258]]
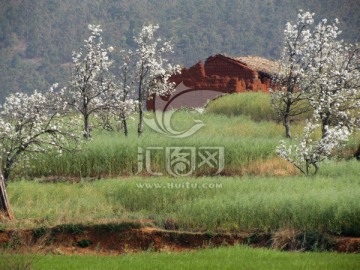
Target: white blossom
[[326, 72], [152, 69], [287, 95], [31, 124], [92, 85]]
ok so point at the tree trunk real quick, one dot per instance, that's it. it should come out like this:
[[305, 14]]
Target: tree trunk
[[125, 127], [307, 167], [6, 174], [287, 126], [140, 120], [86, 127], [4, 201], [287, 116], [325, 123], [140, 100], [316, 168]]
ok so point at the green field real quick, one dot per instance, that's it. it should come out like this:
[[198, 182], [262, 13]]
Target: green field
[[111, 154], [257, 191], [260, 190], [328, 202], [238, 257]]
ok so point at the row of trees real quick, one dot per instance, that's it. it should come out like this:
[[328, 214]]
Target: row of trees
[[43, 122], [96, 90], [320, 73]]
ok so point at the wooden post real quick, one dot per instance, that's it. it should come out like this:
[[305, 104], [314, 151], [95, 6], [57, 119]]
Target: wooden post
[[4, 201]]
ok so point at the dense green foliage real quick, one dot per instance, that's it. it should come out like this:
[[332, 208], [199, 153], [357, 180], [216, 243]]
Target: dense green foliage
[[215, 203], [38, 37], [238, 257]]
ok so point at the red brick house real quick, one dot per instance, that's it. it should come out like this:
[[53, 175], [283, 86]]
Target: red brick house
[[220, 74]]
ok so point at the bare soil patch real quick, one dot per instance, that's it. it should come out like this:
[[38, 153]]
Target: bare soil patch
[[130, 237]]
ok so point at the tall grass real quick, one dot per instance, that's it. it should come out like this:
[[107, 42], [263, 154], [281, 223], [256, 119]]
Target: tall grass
[[326, 203], [254, 104], [112, 154], [273, 205]]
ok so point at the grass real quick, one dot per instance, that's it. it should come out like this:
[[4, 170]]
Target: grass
[[255, 105], [238, 257], [242, 123], [110, 154], [206, 203]]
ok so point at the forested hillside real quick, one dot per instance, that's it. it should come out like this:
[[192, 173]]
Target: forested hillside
[[37, 37]]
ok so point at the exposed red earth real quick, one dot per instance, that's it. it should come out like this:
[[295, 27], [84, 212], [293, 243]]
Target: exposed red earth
[[122, 238]]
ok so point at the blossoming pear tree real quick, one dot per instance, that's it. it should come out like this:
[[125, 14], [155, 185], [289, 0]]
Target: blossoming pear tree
[[33, 124], [124, 106], [287, 95], [309, 152], [92, 84], [329, 79], [332, 80], [152, 70]]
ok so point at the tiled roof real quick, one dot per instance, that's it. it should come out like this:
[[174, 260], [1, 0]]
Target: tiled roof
[[259, 64]]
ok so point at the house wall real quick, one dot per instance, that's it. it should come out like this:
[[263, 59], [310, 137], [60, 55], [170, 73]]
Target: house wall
[[222, 66]]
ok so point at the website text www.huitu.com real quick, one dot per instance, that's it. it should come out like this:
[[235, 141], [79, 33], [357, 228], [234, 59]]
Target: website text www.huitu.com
[[186, 185]]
